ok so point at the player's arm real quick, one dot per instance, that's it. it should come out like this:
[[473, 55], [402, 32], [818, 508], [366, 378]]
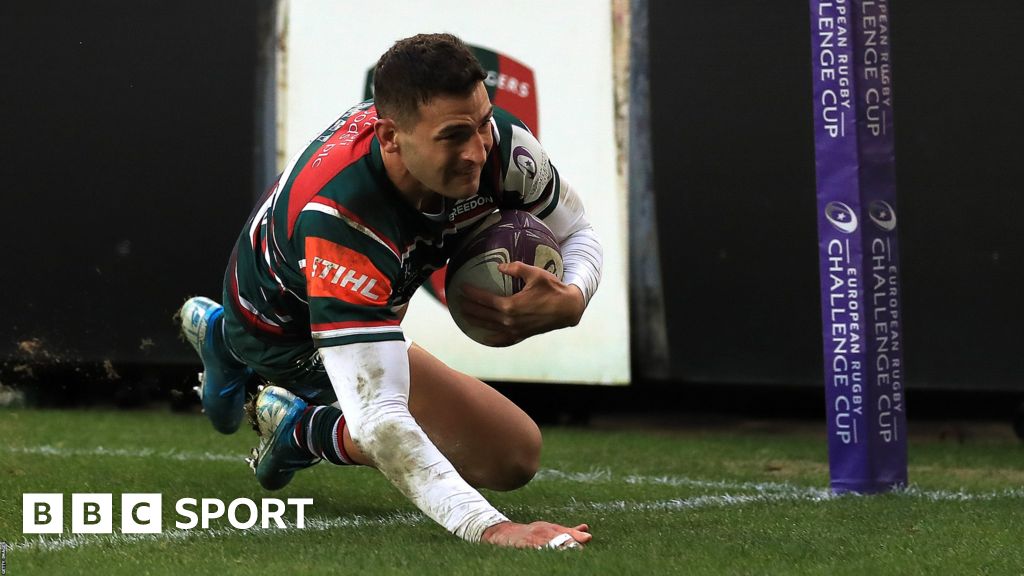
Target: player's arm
[[582, 253], [371, 380], [545, 303]]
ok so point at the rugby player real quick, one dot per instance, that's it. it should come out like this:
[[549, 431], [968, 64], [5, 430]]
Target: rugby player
[[322, 274]]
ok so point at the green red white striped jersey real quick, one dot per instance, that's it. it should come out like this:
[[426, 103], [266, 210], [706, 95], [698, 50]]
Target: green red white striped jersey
[[333, 252]]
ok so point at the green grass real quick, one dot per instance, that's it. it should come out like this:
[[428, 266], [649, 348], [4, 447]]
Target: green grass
[[721, 502]]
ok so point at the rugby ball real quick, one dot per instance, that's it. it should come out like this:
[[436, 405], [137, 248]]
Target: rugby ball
[[504, 236]]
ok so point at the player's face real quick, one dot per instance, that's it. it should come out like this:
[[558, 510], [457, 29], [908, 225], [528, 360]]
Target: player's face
[[447, 148]]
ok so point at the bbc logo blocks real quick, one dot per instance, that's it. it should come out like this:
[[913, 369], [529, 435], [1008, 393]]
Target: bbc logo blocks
[[142, 513], [91, 513]]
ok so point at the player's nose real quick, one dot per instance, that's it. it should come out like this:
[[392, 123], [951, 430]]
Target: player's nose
[[477, 148]]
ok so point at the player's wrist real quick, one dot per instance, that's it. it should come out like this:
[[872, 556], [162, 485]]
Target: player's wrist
[[577, 304], [492, 534]]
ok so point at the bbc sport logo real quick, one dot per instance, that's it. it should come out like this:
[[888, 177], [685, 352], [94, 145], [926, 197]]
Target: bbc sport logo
[[93, 513]]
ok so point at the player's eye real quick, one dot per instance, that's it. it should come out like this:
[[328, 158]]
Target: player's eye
[[457, 137]]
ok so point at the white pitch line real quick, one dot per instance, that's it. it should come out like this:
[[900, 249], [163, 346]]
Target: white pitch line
[[959, 495], [595, 475], [704, 501], [762, 492], [49, 450], [176, 534], [603, 475], [677, 481]]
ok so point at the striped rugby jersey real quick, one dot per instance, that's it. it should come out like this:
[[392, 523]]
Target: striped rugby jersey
[[332, 253]]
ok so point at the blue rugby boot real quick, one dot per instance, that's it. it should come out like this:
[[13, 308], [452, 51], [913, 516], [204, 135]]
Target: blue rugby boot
[[223, 379], [275, 412]]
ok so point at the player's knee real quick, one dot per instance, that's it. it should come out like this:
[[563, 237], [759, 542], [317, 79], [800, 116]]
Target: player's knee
[[520, 464]]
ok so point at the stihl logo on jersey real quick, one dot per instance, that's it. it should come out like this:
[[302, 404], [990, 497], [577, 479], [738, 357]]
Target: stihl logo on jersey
[[339, 272]]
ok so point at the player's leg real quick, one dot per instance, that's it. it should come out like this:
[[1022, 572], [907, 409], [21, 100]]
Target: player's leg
[[223, 381], [296, 423], [490, 441]]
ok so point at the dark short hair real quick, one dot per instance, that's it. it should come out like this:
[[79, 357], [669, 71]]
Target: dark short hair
[[417, 69]]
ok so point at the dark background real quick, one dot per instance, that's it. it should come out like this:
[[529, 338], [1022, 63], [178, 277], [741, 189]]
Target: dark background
[[128, 152], [130, 144], [734, 175]]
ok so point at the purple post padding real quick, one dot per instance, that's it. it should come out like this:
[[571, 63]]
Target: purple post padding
[[873, 75], [848, 216], [839, 242]]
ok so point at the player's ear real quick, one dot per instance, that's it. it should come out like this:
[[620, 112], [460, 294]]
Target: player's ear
[[386, 132]]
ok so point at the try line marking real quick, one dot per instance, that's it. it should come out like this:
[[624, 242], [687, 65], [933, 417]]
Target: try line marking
[[735, 494], [48, 450], [602, 475]]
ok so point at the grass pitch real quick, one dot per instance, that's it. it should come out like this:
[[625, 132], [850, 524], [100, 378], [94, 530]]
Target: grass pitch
[[714, 502]]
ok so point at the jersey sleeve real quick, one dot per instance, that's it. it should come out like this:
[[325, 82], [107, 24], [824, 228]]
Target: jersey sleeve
[[349, 271], [530, 181]]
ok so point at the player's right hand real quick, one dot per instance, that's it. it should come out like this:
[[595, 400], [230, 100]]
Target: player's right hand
[[535, 535], [544, 304]]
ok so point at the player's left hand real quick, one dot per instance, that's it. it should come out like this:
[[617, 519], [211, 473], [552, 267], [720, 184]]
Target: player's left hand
[[544, 304]]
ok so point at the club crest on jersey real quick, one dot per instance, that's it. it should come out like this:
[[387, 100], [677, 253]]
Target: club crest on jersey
[[335, 271], [524, 161]]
